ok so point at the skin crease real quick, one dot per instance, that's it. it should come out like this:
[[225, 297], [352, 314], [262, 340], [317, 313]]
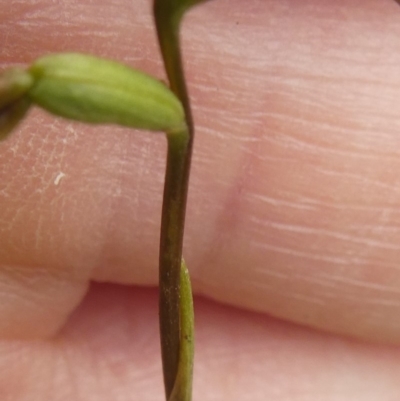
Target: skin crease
[[293, 217]]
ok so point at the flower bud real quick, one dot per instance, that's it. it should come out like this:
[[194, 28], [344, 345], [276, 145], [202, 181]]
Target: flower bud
[[95, 90]]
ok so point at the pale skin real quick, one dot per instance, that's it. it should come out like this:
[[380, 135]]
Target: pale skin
[[293, 224]]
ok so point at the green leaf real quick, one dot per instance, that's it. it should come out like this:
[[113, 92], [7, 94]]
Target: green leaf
[[182, 390], [96, 90]]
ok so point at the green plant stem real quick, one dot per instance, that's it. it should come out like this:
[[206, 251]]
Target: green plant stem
[[173, 216], [175, 195], [168, 19]]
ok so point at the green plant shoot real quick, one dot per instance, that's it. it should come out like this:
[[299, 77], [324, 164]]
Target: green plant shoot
[[99, 91]]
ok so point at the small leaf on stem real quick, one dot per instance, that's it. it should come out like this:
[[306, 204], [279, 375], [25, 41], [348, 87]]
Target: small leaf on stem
[[182, 390]]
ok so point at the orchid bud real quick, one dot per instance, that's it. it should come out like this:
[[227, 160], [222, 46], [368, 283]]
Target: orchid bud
[[95, 90]]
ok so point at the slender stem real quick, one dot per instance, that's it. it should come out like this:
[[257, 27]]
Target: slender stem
[[173, 216], [168, 37], [175, 195]]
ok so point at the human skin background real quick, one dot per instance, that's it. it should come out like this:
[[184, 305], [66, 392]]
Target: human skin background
[[293, 224]]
